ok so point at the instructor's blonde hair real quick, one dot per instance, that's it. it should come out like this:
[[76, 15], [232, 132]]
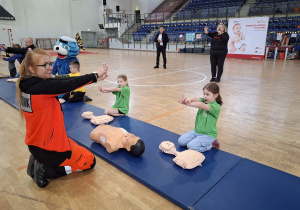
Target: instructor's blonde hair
[[30, 60]]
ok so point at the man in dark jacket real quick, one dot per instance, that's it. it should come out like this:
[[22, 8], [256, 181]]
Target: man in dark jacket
[[161, 40], [29, 46]]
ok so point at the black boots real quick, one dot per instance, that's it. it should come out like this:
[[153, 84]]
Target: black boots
[[30, 167], [215, 79], [36, 171], [39, 175]]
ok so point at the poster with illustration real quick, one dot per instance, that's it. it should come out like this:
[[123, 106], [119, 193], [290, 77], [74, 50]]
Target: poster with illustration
[[189, 37], [247, 37]]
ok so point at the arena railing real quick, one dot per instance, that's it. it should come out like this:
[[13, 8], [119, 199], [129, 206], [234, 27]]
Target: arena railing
[[212, 12], [42, 43]]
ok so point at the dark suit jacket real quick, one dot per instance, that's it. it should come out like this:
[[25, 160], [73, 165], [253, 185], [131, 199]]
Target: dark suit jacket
[[165, 40]]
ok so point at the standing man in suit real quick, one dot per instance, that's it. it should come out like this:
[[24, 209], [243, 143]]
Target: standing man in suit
[[161, 40]]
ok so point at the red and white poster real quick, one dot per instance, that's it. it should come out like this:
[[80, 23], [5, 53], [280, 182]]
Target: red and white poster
[[247, 37]]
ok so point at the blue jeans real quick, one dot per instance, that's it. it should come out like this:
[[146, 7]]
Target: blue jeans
[[195, 141]]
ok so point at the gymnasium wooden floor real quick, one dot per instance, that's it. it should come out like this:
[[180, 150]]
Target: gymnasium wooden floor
[[260, 120]]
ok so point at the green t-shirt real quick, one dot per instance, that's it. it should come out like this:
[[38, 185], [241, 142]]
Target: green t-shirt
[[206, 121], [122, 99]]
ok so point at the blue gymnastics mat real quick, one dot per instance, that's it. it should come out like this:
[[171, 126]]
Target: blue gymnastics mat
[[3, 81], [154, 169], [8, 92], [225, 181], [250, 186]]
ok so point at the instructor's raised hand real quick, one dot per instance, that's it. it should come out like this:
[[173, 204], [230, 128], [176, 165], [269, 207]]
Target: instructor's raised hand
[[102, 72], [206, 30]]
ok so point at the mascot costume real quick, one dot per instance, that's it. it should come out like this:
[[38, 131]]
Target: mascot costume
[[79, 41], [67, 50]]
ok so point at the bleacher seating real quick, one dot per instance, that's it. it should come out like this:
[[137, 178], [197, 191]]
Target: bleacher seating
[[188, 19], [164, 10], [284, 24], [177, 30], [269, 7], [197, 9]]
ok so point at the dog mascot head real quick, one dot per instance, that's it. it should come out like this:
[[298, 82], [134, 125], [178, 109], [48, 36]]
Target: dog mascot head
[[66, 47], [67, 50]]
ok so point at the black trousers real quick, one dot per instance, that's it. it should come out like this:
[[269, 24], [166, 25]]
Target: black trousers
[[217, 60], [13, 72], [161, 50], [73, 97], [52, 160]]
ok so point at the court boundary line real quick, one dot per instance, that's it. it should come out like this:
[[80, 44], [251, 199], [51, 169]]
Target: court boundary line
[[155, 85]]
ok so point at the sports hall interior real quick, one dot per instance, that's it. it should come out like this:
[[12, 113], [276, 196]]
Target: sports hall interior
[[259, 119]]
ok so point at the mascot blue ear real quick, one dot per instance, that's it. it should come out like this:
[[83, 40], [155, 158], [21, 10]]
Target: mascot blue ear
[[72, 44]]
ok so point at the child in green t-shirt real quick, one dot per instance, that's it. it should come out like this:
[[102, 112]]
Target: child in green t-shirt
[[122, 92], [203, 136]]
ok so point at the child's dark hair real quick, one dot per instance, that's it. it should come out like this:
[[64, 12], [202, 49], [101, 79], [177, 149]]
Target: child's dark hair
[[215, 89], [16, 46], [75, 64], [123, 77]]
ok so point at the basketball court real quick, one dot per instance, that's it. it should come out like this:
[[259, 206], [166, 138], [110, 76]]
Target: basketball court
[[259, 121]]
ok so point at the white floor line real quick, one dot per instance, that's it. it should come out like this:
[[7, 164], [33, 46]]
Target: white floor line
[[156, 85]]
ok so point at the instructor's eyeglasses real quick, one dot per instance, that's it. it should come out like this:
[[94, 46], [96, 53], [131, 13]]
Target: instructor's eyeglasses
[[47, 65]]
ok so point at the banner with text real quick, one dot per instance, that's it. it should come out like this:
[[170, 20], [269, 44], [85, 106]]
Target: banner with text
[[247, 37]]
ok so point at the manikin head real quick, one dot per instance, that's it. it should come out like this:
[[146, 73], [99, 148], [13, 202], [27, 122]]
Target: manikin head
[[168, 147], [133, 144], [187, 159]]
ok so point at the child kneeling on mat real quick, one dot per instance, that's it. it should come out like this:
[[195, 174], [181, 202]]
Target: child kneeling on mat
[[122, 92], [11, 58], [203, 136], [75, 95]]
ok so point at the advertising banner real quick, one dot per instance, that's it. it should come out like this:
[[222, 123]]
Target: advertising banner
[[247, 37]]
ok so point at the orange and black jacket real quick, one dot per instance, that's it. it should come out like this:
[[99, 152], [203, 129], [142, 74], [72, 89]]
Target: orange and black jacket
[[45, 126]]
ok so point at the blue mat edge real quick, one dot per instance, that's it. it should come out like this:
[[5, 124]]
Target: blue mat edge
[[225, 175]]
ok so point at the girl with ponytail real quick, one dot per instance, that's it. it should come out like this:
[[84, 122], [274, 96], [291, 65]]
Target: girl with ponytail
[[53, 153], [204, 136]]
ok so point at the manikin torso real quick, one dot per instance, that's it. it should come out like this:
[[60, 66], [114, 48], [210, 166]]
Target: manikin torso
[[113, 138]]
